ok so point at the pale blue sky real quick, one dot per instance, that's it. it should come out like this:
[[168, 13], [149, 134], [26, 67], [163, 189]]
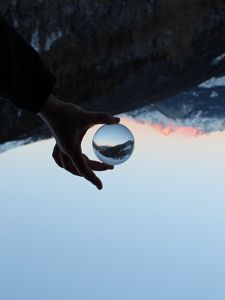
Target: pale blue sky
[[155, 231]]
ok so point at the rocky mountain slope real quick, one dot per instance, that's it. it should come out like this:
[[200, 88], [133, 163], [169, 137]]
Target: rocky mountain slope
[[201, 109]]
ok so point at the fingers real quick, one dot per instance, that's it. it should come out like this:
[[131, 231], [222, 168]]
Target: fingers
[[68, 165], [56, 156], [63, 161], [102, 118], [80, 165], [98, 166], [75, 163], [83, 168]]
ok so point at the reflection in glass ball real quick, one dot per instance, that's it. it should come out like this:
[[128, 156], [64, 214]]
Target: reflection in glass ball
[[113, 144]]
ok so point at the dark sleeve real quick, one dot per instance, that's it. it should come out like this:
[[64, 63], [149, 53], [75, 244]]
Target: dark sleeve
[[24, 78]]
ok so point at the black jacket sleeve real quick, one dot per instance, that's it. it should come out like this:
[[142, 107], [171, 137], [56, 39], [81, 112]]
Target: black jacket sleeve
[[24, 79]]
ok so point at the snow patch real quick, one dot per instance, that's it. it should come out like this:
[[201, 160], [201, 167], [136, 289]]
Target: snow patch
[[195, 94], [19, 113], [52, 38], [35, 40], [15, 23], [213, 82], [214, 94], [10, 145], [218, 60]]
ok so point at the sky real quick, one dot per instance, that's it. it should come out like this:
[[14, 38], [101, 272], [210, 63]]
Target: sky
[[155, 231]]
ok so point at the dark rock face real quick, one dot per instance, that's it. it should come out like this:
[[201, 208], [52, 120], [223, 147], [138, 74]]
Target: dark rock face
[[118, 55]]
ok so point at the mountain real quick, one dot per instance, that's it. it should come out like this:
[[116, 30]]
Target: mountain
[[118, 152], [201, 108], [116, 56]]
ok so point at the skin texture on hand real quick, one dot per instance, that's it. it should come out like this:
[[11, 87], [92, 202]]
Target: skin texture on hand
[[68, 124]]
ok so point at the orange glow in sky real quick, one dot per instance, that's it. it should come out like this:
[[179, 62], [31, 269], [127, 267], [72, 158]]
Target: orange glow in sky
[[166, 130], [183, 130]]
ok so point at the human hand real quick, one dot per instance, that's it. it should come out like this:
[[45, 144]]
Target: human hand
[[68, 123]]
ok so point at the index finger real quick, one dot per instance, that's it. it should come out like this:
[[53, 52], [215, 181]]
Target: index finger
[[102, 118], [83, 168]]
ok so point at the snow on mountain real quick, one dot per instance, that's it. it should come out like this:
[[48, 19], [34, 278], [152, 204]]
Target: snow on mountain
[[213, 82], [52, 38], [12, 144], [218, 60], [198, 111]]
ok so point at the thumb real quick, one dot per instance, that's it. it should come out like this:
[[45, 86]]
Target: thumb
[[102, 118]]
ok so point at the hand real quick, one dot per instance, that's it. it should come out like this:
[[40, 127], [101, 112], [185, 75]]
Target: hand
[[68, 123]]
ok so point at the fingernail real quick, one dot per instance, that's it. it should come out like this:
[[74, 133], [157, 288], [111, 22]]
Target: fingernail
[[109, 166], [99, 186]]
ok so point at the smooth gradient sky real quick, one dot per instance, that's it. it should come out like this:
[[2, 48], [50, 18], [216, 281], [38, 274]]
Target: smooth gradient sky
[[155, 231]]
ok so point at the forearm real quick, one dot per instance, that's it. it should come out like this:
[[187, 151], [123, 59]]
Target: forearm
[[51, 109], [24, 79]]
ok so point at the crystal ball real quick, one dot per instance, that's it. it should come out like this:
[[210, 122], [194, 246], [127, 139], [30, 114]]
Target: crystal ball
[[113, 144]]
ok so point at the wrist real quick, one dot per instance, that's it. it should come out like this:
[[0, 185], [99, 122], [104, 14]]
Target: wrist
[[50, 109]]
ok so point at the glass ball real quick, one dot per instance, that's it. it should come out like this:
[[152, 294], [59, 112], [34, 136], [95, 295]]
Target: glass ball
[[113, 144]]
